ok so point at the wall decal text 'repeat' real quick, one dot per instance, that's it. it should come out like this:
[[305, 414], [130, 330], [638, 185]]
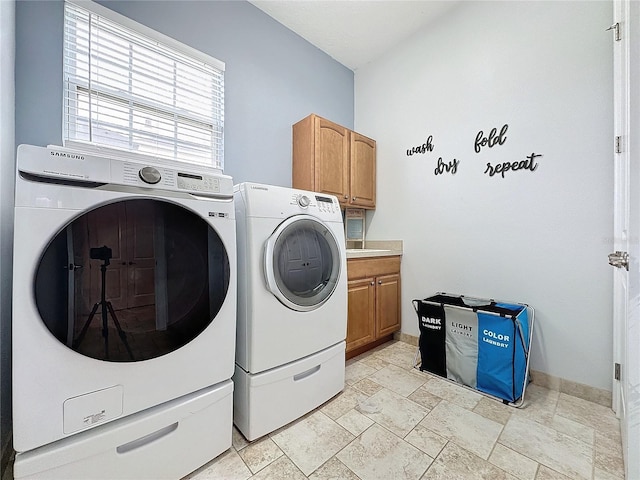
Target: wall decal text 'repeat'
[[501, 168], [424, 148], [491, 140]]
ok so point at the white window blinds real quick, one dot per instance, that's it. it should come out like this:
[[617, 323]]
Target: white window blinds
[[126, 90]]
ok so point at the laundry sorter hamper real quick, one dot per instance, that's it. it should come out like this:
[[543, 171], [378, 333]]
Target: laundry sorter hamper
[[479, 343]]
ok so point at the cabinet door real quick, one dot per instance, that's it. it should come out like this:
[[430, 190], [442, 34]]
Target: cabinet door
[[361, 316], [331, 159], [387, 304], [362, 181]]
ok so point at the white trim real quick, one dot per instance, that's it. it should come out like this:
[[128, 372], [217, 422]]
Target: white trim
[[148, 32]]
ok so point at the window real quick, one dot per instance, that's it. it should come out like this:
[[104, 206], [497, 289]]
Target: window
[[129, 88]]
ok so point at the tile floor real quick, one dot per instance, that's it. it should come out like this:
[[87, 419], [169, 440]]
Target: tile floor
[[394, 422]]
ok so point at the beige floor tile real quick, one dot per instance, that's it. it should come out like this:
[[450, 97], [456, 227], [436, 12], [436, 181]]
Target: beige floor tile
[[493, 410], [397, 355], [313, 441], [237, 439], [379, 454], [598, 417], [367, 386], [374, 362], [334, 469], [354, 422], [456, 463], [546, 473], [355, 372], [599, 474], [281, 469], [426, 440], [229, 466], [547, 446], [573, 429], [393, 411], [539, 405], [512, 462], [608, 456], [425, 398], [452, 393], [259, 454], [343, 402], [398, 380], [469, 430]]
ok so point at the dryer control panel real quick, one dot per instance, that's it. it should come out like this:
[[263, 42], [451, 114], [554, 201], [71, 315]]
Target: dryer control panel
[[315, 203]]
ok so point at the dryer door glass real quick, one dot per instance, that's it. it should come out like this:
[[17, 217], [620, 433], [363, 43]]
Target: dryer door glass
[[302, 261], [132, 280]]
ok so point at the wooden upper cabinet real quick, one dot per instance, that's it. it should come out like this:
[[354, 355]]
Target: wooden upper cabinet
[[362, 173], [332, 159]]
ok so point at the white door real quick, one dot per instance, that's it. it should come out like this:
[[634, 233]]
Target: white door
[[626, 328]]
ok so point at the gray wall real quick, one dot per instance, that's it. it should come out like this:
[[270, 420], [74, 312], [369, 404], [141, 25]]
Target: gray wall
[[541, 237], [7, 149], [273, 77]]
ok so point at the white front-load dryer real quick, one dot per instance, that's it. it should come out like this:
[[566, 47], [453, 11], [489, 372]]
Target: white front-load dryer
[[124, 307], [292, 305]]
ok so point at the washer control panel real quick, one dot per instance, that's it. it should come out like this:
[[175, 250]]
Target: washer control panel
[[149, 175], [198, 183]]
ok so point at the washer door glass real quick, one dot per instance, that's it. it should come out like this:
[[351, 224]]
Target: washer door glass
[[302, 263], [132, 280]]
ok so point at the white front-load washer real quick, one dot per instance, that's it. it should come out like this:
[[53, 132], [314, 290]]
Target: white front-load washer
[[292, 305], [124, 307]]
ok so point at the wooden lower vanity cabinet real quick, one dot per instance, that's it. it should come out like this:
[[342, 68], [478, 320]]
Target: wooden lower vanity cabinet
[[374, 302]]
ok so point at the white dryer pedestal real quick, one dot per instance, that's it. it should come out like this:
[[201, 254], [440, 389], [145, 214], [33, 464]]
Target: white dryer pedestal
[[145, 445], [269, 400]]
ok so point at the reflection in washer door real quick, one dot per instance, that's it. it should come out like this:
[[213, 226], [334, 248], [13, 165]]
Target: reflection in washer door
[[306, 263], [132, 280]]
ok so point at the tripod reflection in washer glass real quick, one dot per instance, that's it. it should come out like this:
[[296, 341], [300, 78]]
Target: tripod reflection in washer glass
[[162, 277], [103, 253]]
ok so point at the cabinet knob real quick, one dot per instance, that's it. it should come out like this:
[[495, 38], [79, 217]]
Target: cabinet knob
[[353, 199], [346, 197], [379, 282], [373, 283]]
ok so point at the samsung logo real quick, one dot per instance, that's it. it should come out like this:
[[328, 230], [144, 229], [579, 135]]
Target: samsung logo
[[72, 156], [254, 187]]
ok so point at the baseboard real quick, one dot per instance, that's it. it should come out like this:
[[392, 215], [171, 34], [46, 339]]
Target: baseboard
[[586, 392]]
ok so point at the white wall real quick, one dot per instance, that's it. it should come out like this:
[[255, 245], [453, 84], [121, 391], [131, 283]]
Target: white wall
[[539, 237], [7, 149]]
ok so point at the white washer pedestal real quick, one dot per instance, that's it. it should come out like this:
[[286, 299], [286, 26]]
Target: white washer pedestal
[[146, 445], [269, 400]]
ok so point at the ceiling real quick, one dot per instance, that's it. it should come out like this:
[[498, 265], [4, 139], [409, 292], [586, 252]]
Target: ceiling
[[354, 32]]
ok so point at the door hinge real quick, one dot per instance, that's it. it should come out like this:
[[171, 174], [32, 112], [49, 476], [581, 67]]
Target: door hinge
[[619, 259], [616, 31], [618, 144], [616, 371]]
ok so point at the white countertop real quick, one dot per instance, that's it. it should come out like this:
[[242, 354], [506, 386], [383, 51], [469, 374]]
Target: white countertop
[[376, 248]]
